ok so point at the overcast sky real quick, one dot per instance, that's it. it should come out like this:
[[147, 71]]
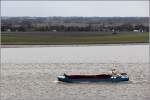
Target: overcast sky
[[75, 8]]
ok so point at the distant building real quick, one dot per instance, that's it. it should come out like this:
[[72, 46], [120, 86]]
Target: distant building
[[8, 30], [141, 30], [135, 30], [138, 30], [114, 31], [54, 30]]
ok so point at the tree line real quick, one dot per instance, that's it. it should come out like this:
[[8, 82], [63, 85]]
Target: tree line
[[64, 24]]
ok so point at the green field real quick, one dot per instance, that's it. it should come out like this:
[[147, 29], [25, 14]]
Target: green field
[[72, 38]]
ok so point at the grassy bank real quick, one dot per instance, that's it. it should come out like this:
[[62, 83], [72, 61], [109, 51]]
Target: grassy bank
[[72, 38]]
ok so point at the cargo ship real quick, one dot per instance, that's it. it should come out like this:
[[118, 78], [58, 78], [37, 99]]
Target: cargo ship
[[102, 77]]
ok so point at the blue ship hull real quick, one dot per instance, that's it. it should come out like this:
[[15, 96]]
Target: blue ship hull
[[64, 78]]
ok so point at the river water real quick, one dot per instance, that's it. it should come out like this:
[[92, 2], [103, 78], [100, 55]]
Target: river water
[[77, 54], [30, 73]]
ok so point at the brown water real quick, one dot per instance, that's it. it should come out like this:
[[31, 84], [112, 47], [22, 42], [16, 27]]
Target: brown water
[[38, 82]]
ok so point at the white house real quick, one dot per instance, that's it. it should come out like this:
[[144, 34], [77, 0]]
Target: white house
[[140, 30], [54, 30], [135, 30]]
